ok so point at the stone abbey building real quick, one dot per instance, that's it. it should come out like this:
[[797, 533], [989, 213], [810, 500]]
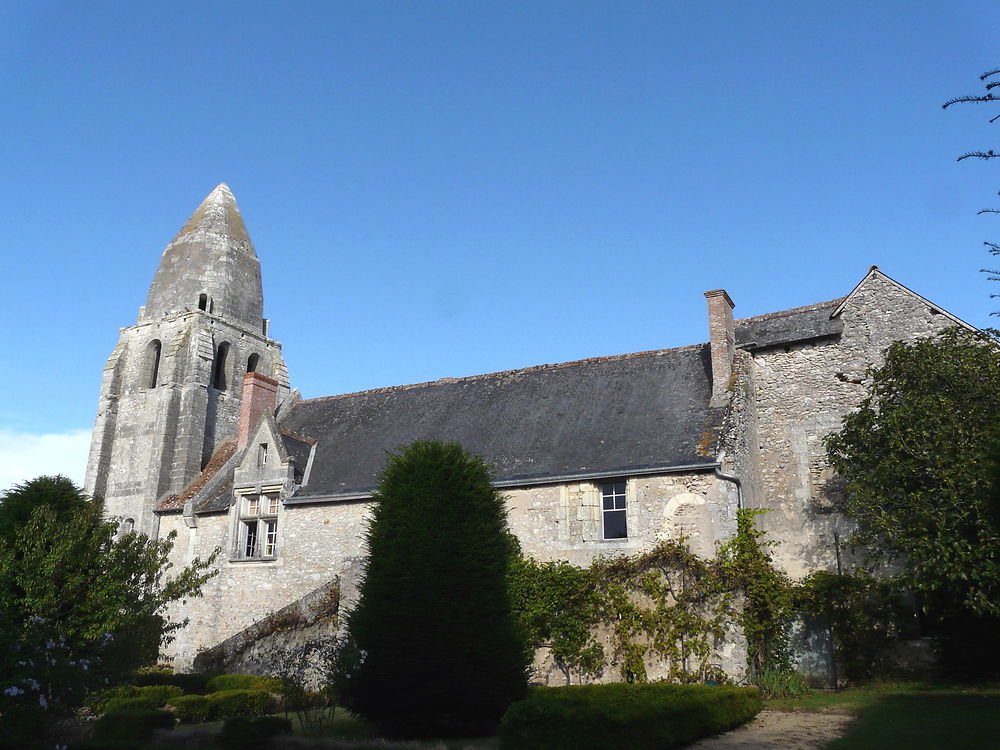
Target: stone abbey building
[[198, 432]]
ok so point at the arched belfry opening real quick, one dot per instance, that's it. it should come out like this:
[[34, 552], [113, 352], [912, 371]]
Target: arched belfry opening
[[152, 369], [219, 371], [252, 362], [203, 301]]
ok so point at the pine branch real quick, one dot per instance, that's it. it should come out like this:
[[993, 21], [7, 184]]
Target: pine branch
[[992, 85], [971, 98], [988, 211], [979, 155], [984, 76]]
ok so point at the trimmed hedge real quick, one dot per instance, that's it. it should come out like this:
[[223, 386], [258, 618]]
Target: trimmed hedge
[[245, 733], [131, 698], [189, 683], [649, 716], [243, 682], [191, 709], [227, 703], [129, 729]]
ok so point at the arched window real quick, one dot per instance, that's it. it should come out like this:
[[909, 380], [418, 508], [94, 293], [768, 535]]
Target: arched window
[[128, 526], [203, 301], [152, 363], [219, 374], [252, 362]]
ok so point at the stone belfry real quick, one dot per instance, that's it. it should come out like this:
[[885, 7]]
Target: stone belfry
[[171, 388]]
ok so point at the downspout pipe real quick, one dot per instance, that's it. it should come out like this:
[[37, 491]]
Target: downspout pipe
[[730, 478]]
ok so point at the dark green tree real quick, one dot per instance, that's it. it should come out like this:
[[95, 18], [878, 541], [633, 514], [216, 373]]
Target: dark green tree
[[17, 504], [918, 458], [432, 645], [991, 81], [80, 604]]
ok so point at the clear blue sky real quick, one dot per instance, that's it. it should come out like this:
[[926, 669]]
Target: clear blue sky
[[448, 188]]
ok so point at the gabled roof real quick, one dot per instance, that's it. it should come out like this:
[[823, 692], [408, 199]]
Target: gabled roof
[[606, 416], [875, 271]]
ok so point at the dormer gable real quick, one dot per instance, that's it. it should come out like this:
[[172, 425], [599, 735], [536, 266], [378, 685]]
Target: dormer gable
[[263, 461]]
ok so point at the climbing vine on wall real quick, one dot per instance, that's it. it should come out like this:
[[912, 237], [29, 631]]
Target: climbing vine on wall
[[767, 610], [666, 603]]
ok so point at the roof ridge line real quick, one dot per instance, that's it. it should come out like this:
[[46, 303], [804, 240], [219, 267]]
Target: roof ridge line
[[517, 371]]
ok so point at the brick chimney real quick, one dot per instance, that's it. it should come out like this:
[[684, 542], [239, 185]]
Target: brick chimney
[[722, 335], [260, 394]]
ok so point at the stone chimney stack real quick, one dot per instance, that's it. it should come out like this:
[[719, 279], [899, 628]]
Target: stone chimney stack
[[722, 335], [260, 394]]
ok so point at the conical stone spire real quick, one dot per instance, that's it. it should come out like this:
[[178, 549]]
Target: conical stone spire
[[211, 264]]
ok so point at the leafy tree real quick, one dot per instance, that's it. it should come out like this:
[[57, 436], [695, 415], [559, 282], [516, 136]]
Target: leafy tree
[[919, 460], [57, 493], [861, 614], [80, 605], [991, 81], [432, 646]]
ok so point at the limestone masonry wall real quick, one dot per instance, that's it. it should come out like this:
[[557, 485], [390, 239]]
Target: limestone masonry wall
[[803, 392]]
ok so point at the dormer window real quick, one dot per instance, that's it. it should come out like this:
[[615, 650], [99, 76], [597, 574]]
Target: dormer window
[[261, 455]]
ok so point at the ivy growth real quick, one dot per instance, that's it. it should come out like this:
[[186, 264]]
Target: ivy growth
[[667, 603], [767, 597]]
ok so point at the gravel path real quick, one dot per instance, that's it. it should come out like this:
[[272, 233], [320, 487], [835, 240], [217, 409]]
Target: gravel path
[[780, 730]]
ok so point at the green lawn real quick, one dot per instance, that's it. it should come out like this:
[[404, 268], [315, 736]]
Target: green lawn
[[910, 717]]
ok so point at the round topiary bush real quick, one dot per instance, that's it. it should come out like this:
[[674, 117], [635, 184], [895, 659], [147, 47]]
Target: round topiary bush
[[243, 682], [191, 709], [227, 703]]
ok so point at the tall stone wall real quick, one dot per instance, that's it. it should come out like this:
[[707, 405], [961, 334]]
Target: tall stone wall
[[320, 542], [803, 392], [316, 543]]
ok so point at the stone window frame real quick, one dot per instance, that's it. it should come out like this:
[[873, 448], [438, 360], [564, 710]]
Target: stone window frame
[[256, 528], [608, 489]]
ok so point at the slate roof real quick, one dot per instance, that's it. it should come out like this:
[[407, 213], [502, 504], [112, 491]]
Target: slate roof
[[602, 417], [789, 326], [597, 417], [298, 449]]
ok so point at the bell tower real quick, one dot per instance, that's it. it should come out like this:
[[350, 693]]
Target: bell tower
[[172, 386]]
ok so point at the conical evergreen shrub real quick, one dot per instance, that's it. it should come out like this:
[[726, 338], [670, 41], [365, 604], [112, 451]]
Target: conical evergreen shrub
[[432, 646]]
